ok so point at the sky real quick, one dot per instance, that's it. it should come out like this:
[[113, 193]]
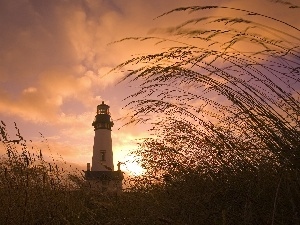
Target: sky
[[54, 59]]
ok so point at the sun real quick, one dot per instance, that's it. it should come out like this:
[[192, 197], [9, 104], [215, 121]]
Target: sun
[[131, 166]]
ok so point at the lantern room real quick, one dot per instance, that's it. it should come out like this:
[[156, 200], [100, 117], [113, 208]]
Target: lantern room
[[102, 118], [103, 109]]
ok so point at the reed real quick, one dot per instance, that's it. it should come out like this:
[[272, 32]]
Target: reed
[[38, 191], [222, 99]]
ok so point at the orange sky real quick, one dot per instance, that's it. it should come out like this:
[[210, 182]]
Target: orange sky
[[53, 58]]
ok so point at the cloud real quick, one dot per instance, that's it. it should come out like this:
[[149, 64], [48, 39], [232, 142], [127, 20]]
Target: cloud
[[43, 102], [53, 52]]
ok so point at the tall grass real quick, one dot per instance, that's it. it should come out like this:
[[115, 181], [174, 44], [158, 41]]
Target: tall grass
[[36, 191], [231, 92], [222, 98]]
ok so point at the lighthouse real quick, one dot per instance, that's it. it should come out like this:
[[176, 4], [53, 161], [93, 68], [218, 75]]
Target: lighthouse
[[102, 151], [101, 174]]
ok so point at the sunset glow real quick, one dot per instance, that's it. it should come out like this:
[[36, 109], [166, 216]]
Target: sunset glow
[[55, 56]]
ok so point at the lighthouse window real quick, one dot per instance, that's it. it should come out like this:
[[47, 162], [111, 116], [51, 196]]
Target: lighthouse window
[[102, 155], [102, 111]]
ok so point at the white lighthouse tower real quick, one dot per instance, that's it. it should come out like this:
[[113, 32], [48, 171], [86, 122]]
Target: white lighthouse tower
[[101, 175], [102, 151]]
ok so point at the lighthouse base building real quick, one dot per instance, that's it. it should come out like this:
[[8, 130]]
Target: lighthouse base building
[[101, 175], [105, 181]]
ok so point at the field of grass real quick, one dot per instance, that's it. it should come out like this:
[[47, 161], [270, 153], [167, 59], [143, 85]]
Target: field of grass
[[34, 191]]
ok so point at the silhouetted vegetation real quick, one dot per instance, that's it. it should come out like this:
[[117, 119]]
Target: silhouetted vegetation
[[36, 191], [222, 99]]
